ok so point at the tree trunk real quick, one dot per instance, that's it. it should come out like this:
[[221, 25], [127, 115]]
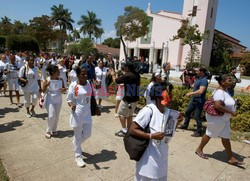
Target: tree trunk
[[192, 54], [124, 48]]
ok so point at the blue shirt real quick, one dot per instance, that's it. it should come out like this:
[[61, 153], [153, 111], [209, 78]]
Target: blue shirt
[[90, 70], [202, 81]]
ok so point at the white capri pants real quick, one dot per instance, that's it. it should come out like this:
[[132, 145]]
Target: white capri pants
[[81, 134], [13, 84], [53, 109], [33, 96]]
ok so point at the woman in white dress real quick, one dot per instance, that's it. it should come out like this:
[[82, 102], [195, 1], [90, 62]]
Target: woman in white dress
[[219, 126], [11, 69], [63, 72], [79, 98], [101, 90], [153, 165], [53, 87], [32, 87], [156, 78], [2, 67], [72, 74]]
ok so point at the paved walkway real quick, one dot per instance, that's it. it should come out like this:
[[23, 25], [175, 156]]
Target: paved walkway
[[28, 156]]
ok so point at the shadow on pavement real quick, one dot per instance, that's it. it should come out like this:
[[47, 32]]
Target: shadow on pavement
[[222, 156], [106, 109], [63, 134], [43, 116], [10, 126], [104, 156], [8, 110]]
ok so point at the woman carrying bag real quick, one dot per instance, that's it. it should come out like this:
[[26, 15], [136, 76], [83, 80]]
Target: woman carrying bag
[[219, 126], [79, 99], [32, 87]]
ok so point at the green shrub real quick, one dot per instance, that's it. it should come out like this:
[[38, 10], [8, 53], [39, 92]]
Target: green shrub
[[22, 43], [2, 41]]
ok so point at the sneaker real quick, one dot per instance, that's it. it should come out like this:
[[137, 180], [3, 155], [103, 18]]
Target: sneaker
[[33, 113], [19, 105], [183, 127], [79, 161], [100, 107], [120, 133], [116, 115], [48, 135], [28, 115]]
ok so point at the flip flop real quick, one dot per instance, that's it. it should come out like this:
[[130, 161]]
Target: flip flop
[[201, 154], [236, 163]]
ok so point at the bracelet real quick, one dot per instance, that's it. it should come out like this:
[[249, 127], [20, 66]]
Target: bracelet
[[150, 136]]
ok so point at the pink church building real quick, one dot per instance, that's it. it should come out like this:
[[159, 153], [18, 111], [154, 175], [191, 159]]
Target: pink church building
[[157, 46]]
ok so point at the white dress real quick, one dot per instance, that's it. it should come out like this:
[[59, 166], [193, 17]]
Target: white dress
[[73, 76], [101, 93], [147, 93], [154, 162], [219, 126], [80, 95], [63, 76]]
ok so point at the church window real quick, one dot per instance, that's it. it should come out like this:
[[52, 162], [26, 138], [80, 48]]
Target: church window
[[211, 15], [194, 11]]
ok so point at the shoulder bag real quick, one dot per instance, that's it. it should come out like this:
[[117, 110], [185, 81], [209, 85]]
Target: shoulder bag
[[134, 145], [20, 82], [210, 109]]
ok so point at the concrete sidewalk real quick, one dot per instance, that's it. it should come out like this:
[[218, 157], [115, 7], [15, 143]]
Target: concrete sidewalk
[[28, 156]]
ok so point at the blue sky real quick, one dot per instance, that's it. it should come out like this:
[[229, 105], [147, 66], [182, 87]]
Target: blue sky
[[233, 16]]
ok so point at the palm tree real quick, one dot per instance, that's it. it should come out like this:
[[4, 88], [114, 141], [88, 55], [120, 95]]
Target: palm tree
[[98, 33], [62, 18], [75, 35], [5, 26], [5, 20], [90, 24]]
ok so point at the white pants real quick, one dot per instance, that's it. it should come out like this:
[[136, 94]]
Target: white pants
[[142, 178], [81, 134], [34, 98], [53, 114], [13, 84]]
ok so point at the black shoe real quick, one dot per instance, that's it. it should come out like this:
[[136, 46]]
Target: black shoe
[[183, 127], [120, 133], [197, 134]]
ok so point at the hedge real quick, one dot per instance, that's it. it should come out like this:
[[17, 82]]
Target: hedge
[[22, 43], [180, 102], [2, 41]]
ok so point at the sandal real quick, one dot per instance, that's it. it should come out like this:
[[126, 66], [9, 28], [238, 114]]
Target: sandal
[[201, 154], [120, 133], [236, 162], [55, 133], [48, 135]]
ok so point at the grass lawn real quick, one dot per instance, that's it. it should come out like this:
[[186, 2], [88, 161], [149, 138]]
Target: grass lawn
[[3, 174]]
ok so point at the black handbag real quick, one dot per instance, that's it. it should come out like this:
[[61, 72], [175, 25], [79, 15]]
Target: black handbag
[[134, 145], [93, 106], [20, 82]]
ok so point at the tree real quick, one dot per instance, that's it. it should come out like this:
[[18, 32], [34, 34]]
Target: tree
[[132, 24], [245, 64], [98, 33], [42, 29], [22, 43], [19, 28], [75, 35], [221, 61], [190, 35], [5, 26], [113, 43], [62, 18], [89, 24], [87, 47]]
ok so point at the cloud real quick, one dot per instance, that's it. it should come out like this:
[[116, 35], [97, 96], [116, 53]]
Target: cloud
[[109, 34]]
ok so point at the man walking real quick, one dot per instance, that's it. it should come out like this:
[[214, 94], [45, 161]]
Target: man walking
[[197, 101]]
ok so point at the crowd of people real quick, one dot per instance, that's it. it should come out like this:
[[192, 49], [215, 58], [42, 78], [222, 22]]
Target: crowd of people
[[83, 80]]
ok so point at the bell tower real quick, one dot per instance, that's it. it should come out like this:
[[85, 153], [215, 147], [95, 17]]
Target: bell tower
[[203, 13]]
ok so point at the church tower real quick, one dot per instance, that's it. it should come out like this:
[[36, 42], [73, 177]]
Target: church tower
[[203, 13]]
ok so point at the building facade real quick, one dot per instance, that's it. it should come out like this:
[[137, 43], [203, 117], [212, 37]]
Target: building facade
[[157, 46]]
